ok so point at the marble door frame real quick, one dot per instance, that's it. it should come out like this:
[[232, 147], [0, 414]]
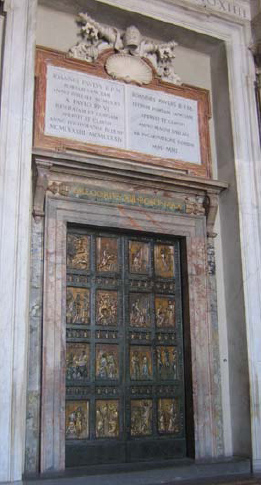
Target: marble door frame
[[59, 212]]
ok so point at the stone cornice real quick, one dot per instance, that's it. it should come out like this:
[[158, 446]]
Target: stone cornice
[[127, 171], [239, 10]]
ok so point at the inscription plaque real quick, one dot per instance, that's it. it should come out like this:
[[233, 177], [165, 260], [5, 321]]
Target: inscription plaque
[[94, 110], [163, 125], [83, 107]]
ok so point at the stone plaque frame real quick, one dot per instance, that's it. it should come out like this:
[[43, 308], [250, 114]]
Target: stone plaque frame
[[192, 230], [46, 57]]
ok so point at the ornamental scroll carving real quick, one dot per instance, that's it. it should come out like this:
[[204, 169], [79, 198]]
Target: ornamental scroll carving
[[130, 49]]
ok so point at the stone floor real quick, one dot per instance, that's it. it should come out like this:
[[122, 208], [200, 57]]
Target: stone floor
[[234, 470], [121, 479]]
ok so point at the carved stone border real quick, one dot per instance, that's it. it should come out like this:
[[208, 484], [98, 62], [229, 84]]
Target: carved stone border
[[59, 212]]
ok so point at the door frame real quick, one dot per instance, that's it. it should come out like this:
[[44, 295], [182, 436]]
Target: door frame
[[61, 211]]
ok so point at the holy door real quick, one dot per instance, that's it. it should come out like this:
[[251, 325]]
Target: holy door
[[124, 352], [124, 348]]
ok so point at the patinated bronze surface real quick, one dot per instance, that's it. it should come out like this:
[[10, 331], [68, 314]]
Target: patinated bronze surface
[[124, 354]]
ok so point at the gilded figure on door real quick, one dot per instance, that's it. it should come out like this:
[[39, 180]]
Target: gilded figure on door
[[78, 251], [107, 254], [141, 417], [139, 257], [164, 260], [77, 420], [106, 307], [167, 362], [139, 310], [77, 361], [140, 363], [78, 306], [165, 311], [168, 416], [107, 419], [107, 362]]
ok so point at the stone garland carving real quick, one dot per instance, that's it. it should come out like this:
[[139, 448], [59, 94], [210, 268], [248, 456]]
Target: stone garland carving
[[130, 48]]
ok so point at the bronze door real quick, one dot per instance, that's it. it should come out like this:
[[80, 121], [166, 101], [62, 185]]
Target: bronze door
[[124, 348]]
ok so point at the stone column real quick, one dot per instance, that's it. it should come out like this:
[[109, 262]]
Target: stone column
[[15, 192]]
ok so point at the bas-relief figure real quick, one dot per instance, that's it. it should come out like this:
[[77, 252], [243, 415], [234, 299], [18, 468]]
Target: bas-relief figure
[[107, 419], [107, 254], [78, 252], [106, 307], [141, 417], [164, 260], [164, 311], [77, 361], [140, 363], [107, 362], [139, 310], [138, 257], [77, 420], [167, 362], [77, 306], [168, 416], [130, 48]]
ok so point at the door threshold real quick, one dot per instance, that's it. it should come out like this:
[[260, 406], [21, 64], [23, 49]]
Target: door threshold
[[146, 473]]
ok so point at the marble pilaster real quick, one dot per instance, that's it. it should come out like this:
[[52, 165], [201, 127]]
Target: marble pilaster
[[15, 185]]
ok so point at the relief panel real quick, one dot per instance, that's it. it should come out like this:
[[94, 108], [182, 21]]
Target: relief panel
[[164, 260], [167, 362], [139, 257], [107, 361], [107, 254], [106, 307], [78, 252], [107, 419], [165, 311], [77, 420], [140, 312], [141, 417], [168, 416], [77, 361], [140, 363], [77, 306]]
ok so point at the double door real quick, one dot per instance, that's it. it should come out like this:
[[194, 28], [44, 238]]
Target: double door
[[124, 348]]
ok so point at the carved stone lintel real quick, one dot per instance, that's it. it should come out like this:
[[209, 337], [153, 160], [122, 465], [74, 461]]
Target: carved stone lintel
[[211, 207], [127, 45], [42, 169]]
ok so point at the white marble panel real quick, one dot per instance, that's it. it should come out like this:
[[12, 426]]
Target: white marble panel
[[162, 124], [84, 108]]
